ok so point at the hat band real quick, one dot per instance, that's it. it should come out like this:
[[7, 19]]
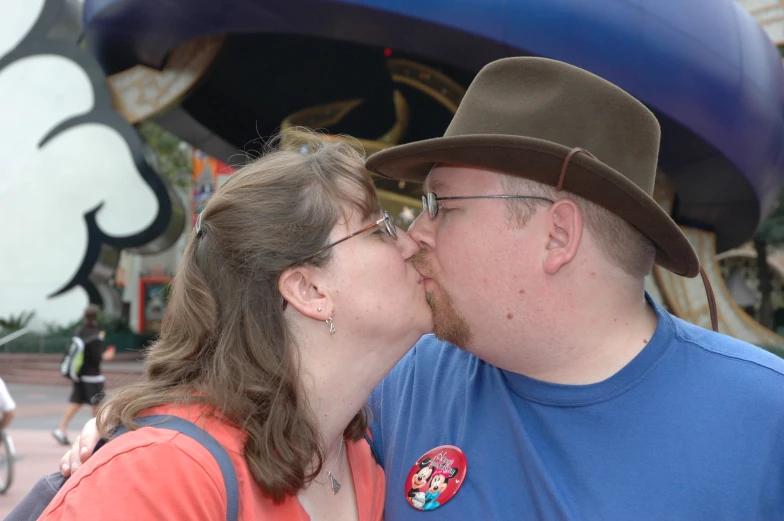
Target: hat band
[[714, 315], [572, 152]]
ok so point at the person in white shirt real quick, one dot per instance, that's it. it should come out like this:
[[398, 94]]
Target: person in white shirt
[[7, 405]]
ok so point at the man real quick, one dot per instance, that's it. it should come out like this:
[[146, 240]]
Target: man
[[570, 394], [88, 385]]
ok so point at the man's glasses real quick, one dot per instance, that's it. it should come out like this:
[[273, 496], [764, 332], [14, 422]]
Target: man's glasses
[[385, 224], [430, 200]]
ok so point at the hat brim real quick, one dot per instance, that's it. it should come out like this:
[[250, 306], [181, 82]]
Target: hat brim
[[541, 161]]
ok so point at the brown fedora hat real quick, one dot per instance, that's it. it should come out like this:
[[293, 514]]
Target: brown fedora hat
[[525, 116]]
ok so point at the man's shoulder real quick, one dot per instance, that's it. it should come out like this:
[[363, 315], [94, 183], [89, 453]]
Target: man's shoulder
[[726, 352]]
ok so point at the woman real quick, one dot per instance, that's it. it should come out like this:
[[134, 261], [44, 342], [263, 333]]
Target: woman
[[294, 298]]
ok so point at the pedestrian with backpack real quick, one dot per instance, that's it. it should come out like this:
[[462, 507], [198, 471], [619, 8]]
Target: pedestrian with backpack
[[82, 365], [296, 294]]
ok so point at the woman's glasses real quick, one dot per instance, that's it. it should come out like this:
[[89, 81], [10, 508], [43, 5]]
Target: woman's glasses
[[385, 223]]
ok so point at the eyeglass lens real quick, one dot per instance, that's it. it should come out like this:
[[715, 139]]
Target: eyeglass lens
[[430, 204], [390, 225]]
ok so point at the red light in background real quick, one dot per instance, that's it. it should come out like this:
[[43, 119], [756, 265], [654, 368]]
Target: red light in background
[[387, 52]]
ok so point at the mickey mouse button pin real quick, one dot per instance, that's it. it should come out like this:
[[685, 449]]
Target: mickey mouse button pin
[[436, 477]]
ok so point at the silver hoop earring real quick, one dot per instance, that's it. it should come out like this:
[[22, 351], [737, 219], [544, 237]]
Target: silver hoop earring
[[331, 326]]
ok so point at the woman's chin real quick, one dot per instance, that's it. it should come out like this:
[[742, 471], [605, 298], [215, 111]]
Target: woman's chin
[[425, 327]]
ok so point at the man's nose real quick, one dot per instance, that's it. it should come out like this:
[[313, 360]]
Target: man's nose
[[422, 231]]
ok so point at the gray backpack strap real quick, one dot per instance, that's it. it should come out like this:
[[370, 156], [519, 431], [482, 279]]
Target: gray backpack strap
[[187, 428]]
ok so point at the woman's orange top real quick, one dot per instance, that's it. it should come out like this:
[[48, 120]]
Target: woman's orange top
[[160, 474]]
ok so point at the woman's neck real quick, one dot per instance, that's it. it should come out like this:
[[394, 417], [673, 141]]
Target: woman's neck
[[338, 378], [338, 385]]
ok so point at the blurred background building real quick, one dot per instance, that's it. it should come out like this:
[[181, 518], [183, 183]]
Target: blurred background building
[[203, 83]]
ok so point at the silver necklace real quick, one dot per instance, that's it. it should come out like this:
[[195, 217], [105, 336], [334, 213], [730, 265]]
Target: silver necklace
[[332, 481]]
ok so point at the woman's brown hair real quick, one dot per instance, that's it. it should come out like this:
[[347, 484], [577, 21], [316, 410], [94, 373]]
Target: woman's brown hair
[[223, 341]]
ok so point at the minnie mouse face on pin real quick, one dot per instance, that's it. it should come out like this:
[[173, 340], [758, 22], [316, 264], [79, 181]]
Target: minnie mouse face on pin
[[439, 483], [436, 477]]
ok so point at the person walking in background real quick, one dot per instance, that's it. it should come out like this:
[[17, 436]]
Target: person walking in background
[[88, 382]]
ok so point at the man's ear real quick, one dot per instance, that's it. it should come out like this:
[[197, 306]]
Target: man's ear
[[565, 226], [298, 287]]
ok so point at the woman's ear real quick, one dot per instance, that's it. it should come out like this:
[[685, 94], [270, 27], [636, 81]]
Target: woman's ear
[[298, 287]]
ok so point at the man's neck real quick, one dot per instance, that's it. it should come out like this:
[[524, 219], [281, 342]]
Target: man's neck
[[584, 345]]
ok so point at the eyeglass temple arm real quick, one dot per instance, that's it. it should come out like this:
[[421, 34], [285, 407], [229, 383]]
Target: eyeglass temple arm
[[494, 197], [325, 248]]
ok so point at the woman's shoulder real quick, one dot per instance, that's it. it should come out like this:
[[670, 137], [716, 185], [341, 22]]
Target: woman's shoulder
[[162, 449], [156, 470], [230, 436]]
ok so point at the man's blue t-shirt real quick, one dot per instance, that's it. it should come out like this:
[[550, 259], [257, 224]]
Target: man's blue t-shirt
[[692, 428]]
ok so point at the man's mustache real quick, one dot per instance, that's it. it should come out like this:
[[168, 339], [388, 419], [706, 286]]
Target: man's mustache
[[421, 264]]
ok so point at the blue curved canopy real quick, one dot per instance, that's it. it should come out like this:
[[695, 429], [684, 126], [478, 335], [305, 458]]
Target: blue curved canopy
[[704, 66]]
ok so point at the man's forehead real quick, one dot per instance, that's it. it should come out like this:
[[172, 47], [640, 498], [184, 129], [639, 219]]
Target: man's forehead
[[445, 176], [433, 184]]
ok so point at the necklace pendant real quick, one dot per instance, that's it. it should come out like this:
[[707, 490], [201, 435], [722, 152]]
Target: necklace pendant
[[334, 483]]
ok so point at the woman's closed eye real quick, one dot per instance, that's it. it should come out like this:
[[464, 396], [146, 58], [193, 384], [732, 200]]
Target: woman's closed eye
[[381, 234]]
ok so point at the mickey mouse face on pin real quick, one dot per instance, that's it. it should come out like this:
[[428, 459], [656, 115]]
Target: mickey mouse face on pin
[[421, 477], [436, 477]]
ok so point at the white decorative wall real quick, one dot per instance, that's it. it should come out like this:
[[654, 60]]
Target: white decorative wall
[[73, 177]]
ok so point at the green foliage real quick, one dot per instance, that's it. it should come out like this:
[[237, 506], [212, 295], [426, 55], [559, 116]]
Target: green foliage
[[776, 350], [113, 324], [769, 235], [57, 336], [172, 154], [15, 323], [106, 322], [771, 230], [55, 329]]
